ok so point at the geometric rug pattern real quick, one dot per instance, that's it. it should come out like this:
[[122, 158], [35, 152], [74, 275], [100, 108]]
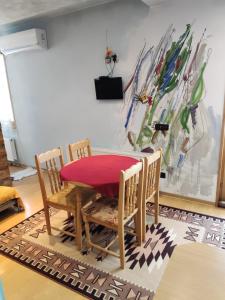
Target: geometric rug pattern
[[97, 276]]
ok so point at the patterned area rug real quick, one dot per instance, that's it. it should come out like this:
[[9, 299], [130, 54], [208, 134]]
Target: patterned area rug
[[97, 276]]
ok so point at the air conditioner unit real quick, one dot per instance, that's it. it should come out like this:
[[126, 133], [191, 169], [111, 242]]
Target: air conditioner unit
[[31, 39], [153, 2], [147, 2]]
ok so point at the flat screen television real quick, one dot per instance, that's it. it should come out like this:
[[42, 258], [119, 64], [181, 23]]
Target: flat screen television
[[109, 88]]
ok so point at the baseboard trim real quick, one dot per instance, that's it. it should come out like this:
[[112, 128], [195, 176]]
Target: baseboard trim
[[187, 198]]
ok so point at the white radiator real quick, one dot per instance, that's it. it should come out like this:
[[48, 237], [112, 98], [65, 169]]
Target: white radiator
[[10, 147]]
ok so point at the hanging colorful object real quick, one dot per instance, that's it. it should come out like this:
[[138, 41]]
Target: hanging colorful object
[[168, 81]]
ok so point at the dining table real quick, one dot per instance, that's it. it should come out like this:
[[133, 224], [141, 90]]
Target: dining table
[[98, 172]]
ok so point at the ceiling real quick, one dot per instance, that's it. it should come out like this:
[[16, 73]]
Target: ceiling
[[17, 10]]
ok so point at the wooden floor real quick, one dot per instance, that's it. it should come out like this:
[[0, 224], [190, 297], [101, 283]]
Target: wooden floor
[[195, 271], [20, 283], [30, 193]]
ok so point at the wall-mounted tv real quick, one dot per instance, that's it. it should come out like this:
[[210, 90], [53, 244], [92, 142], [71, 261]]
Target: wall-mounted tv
[[109, 88]]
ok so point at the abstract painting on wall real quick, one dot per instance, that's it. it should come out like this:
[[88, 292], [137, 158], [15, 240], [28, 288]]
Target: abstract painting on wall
[[167, 90]]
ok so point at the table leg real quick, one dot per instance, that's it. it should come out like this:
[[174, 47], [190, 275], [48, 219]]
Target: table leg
[[78, 222]]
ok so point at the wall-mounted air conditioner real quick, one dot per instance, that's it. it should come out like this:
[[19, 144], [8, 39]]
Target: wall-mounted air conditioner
[[31, 39], [153, 2]]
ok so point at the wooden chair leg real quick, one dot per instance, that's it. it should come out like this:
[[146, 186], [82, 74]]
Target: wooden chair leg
[[156, 208], [74, 223], [121, 245], [78, 223], [47, 219], [87, 231], [143, 220], [138, 227]]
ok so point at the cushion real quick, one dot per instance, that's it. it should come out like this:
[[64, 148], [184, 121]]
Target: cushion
[[67, 196], [9, 193], [105, 210]]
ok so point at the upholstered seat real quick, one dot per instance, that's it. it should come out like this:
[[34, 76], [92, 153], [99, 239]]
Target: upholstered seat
[[67, 196], [104, 210], [9, 193]]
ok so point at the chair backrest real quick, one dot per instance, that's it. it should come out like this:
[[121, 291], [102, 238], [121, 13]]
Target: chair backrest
[[51, 161], [79, 149], [130, 190], [152, 174]]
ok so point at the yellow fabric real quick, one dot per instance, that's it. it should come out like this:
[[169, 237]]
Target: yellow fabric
[[67, 196], [9, 193]]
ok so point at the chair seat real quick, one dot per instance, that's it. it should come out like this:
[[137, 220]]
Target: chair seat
[[67, 196], [104, 210]]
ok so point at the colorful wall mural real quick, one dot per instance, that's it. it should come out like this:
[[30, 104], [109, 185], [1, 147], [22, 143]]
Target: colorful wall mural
[[168, 87]]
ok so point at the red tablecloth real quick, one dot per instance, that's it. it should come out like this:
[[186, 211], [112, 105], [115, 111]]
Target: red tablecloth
[[102, 172]]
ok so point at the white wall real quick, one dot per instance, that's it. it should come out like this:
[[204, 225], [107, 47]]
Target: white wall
[[53, 91]]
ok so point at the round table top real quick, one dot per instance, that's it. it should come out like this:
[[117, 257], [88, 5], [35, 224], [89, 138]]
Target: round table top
[[101, 172]]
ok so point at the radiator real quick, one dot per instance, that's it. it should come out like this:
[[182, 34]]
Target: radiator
[[10, 147]]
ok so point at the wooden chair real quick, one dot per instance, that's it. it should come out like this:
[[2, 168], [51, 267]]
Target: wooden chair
[[79, 149], [116, 213], [151, 186], [61, 195]]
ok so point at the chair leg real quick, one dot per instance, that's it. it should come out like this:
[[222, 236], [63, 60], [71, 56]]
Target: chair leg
[[69, 215], [156, 208], [138, 227], [78, 223], [87, 231], [47, 219], [74, 224], [121, 245], [143, 220]]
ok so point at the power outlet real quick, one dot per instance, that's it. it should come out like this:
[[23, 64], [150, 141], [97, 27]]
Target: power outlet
[[161, 127], [162, 175]]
